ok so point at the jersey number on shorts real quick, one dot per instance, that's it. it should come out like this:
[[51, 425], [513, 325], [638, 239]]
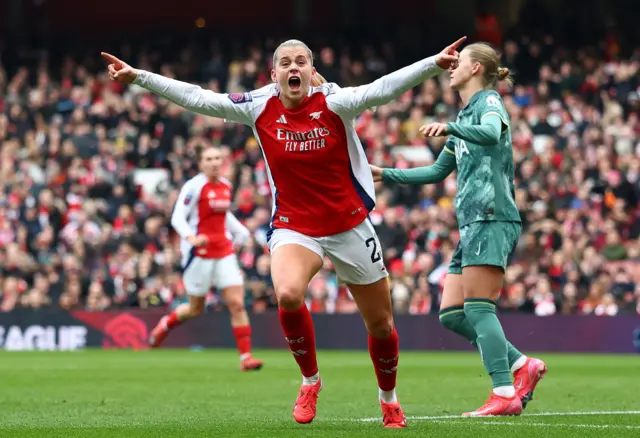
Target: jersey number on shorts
[[375, 254]]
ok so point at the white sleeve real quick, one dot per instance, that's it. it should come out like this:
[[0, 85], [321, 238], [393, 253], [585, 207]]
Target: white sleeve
[[239, 232], [187, 200], [349, 102], [236, 107]]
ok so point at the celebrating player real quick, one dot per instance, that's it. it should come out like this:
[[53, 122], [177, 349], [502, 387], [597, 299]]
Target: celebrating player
[[480, 147], [209, 231], [322, 193]]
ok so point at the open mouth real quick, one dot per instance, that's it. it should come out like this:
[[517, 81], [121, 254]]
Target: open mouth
[[295, 83]]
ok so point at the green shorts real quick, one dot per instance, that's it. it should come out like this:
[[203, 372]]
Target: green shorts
[[485, 243]]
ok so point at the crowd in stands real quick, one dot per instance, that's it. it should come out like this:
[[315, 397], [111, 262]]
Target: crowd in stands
[[82, 227]]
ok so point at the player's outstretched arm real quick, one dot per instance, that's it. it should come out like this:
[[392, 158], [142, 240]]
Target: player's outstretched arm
[[487, 133], [349, 102], [189, 96], [436, 173]]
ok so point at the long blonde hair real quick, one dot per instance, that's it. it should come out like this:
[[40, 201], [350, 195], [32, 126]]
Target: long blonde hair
[[490, 60]]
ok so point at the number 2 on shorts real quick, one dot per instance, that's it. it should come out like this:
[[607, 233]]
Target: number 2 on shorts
[[375, 254]]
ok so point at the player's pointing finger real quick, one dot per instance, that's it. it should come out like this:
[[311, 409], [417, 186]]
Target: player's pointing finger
[[112, 59], [456, 44]]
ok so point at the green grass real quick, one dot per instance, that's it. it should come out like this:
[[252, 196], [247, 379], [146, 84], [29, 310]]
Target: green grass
[[171, 393]]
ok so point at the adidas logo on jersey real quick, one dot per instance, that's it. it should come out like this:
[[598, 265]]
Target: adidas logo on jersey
[[282, 120]]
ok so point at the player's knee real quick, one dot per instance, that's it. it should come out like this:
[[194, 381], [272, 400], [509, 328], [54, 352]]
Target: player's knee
[[380, 327], [289, 297], [236, 305], [196, 308]]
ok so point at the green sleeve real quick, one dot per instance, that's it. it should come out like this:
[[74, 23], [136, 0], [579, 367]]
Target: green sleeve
[[487, 133], [444, 165]]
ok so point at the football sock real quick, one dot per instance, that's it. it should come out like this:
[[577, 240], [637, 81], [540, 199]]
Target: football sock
[[454, 319], [387, 396], [518, 363], [243, 340], [514, 357], [300, 336], [505, 391], [491, 341], [172, 320], [384, 355], [312, 380]]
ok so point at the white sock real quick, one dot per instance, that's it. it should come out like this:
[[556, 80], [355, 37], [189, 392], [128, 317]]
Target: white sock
[[505, 391], [245, 356], [311, 380], [518, 363], [387, 396]]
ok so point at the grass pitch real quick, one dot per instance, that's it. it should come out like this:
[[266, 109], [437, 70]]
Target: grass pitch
[[171, 393]]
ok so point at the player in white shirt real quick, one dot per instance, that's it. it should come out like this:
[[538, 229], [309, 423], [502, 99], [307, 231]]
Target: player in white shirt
[[209, 233], [322, 192]]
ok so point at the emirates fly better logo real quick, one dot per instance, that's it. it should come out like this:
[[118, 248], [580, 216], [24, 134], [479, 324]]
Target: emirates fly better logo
[[303, 141]]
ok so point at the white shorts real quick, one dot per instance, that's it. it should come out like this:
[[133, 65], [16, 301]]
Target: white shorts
[[356, 253], [200, 275]]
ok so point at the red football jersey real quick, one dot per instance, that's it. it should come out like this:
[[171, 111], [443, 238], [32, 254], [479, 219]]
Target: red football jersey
[[309, 164], [318, 172], [202, 208]]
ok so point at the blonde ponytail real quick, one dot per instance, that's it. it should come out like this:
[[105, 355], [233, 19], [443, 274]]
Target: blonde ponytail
[[503, 74], [318, 80], [490, 60]]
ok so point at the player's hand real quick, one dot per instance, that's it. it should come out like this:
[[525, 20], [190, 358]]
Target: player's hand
[[376, 172], [449, 55], [434, 130], [119, 70], [197, 241]]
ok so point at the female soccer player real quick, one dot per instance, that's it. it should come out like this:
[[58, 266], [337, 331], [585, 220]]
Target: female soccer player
[[480, 147], [209, 232], [322, 193]]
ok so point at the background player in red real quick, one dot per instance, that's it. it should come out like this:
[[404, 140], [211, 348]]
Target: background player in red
[[209, 231], [322, 193]]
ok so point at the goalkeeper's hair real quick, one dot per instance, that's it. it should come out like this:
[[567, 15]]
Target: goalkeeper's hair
[[292, 43], [490, 60]]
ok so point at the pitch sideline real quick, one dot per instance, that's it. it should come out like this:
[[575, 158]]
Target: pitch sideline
[[442, 418]]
